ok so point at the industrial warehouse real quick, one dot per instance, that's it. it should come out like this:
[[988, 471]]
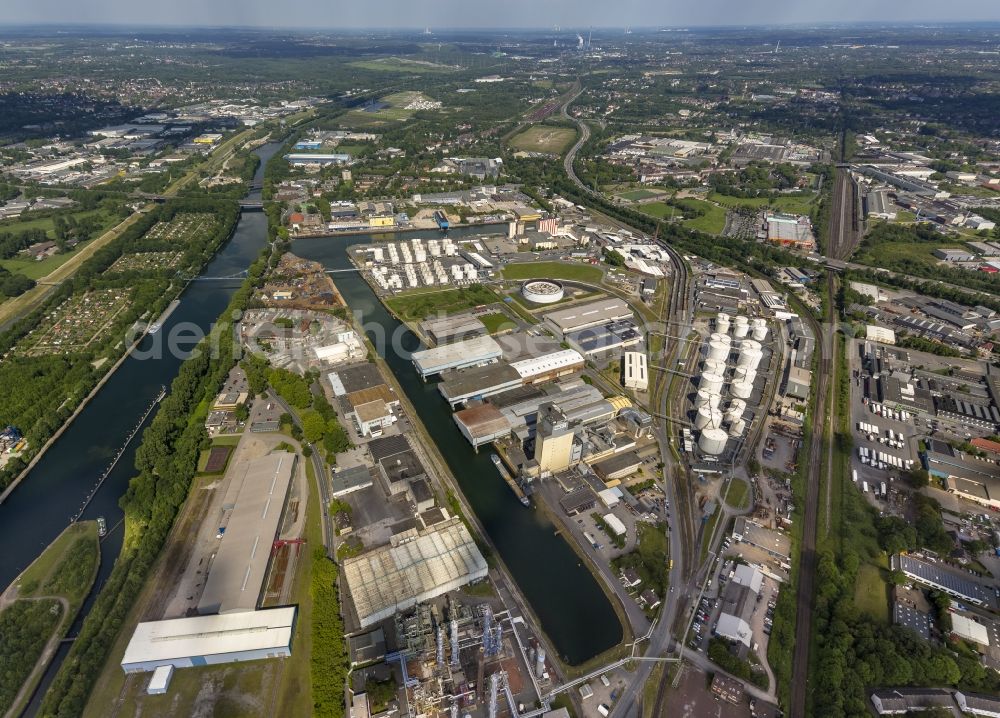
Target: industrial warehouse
[[255, 502], [416, 566], [210, 640]]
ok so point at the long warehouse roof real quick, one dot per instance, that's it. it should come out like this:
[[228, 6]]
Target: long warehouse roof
[[210, 635], [590, 314], [459, 354], [237, 572]]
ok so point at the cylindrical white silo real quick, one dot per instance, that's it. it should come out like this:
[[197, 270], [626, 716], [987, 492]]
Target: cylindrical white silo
[[737, 428], [741, 327], [741, 389], [722, 322], [719, 351], [706, 398], [713, 366], [759, 327], [712, 441], [735, 410], [750, 354], [708, 418], [712, 383], [720, 337], [741, 373]]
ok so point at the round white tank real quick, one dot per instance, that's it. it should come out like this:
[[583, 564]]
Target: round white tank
[[735, 410], [706, 398], [741, 328], [712, 441], [722, 323], [741, 389], [707, 417], [737, 428], [720, 337], [744, 374], [759, 329], [714, 366], [750, 355], [712, 383], [718, 351]]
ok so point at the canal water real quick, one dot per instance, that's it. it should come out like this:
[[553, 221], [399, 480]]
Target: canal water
[[40, 508], [572, 608]]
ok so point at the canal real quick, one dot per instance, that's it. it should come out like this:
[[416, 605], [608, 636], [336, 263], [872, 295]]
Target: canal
[[40, 508], [573, 610]]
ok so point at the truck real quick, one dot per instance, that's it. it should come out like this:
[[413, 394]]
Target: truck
[[864, 486]]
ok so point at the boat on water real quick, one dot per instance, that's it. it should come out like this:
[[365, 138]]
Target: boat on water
[[154, 328], [511, 481], [102, 526]]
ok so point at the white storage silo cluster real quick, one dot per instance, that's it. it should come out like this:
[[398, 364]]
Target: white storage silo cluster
[[723, 355]]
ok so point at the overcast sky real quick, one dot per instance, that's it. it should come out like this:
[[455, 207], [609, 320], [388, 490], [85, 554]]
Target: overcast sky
[[540, 14]]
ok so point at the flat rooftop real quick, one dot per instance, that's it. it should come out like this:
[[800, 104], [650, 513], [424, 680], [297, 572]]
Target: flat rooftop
[[589, 314], [454, 356], [460, 384], [163, 642], [415, 566], [237, 573], [938, 575]]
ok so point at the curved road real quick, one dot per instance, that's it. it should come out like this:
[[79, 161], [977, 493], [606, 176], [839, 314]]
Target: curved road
[[660, 640]]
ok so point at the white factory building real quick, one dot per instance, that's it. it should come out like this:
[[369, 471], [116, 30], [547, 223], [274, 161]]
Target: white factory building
[[471, 352], [636, 371], [585, 316], [210, 640]]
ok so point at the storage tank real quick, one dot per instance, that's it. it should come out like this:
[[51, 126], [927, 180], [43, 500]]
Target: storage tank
[[704, 397], [750, 355], [743, 373], [712, 383], [737, 428], [714, 366], [720, 337], [540, 663], [717, 350], [712, 441], [708, 418], [741, 327], [759, 329], [722, 323], [741, 389], [734, 411]]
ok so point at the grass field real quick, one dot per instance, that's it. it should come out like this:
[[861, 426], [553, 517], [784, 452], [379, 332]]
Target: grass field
[[871, 593], [554, 270], [419, 306], [395, 112], [541, 138], [792, 205], [736, 495], [34, 269], [637, 195], [496, 321], [712, 222], [922, 251]]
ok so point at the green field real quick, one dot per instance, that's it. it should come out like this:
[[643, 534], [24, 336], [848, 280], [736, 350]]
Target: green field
[[554, 270], [792, 205], [34, 269], [920, 251], [638, 195], [871, 593], [736, 495], [542, 138], [496, 322], [395, 112], [712, 222], [411, 307]]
